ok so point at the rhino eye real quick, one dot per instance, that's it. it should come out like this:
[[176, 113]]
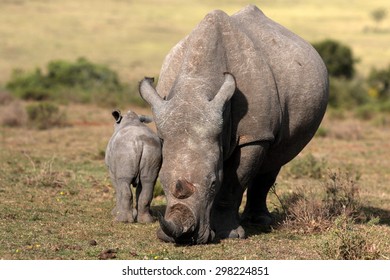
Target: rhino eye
[[213, 183]]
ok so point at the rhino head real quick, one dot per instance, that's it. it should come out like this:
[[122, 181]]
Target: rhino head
[[191, 127]]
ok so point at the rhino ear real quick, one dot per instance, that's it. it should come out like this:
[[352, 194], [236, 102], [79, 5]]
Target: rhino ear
[[149, 94], [117, 115], [226, 91]]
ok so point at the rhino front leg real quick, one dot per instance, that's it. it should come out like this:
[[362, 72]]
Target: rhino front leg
[[256, 211], [144, 198], [123, 211], [239, 171]]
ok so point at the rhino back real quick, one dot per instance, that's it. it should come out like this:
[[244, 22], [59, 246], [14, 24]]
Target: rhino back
[[132, 148], [281, 81]]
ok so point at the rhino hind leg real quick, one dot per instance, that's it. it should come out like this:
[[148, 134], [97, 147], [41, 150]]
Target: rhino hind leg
[[256, 212], [144, 196], [123, 211], [238, 172]]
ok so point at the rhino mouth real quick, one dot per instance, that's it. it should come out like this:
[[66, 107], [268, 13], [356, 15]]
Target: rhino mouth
[[179, 226]]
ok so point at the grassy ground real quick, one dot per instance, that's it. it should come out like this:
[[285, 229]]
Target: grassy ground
[[133, 37], [55, 195], [56, 198]]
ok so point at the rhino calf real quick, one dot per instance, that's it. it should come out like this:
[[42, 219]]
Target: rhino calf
[[133, 157]]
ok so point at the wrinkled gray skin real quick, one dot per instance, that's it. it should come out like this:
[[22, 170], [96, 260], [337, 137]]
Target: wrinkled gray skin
[[133, 157], [223, 133]]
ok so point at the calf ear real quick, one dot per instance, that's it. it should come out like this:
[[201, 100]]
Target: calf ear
[[117, 115], [149, 94], [145, 119], [225, 92]]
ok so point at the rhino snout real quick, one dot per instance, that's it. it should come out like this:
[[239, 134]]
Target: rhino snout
[[178, 225]]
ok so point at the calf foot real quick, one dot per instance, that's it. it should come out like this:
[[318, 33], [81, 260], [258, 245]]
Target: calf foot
[[145, 218], [123, 217]]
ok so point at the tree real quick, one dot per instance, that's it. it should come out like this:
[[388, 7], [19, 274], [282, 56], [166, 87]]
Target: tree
[[338, 58], [378, 15]]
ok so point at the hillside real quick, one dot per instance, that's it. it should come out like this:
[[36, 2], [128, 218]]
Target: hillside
[[133, 37]]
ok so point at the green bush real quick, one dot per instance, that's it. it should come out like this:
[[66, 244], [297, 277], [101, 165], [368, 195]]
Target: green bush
[[379, 82], [29, 86], [45, 115], [158, 189], [347, 94], [307, 166], [81, 81], [338, 58], [81, 74]]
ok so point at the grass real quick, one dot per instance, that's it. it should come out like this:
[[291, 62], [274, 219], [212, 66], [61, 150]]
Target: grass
[[55, 194], [56, 197], [133, 37]]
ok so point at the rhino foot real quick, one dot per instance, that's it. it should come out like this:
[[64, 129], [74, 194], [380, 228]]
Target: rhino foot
[[225, 222], [145, 218], [122, 216], [239, 232]]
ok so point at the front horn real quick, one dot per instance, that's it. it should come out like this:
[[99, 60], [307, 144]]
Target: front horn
[[170, 228]]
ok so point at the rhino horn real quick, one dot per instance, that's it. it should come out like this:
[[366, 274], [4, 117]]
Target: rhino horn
[[170, 228], [149, 93], [183, 189]]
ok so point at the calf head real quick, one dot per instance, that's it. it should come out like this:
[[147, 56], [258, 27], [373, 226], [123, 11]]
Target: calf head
[[190, 125]]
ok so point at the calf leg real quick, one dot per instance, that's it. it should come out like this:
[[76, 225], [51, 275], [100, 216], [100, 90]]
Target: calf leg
[[256, 211], [123, 211], [144, 195]]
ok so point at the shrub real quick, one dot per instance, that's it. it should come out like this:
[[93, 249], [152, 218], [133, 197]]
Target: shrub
[[347, 94], [342, 194], [13, 114], [81, 81], [42, 174], [345, 241], [158, 189], [81, 74], [307, 166], [29, 86], [379, 81], [307, 211], [45, 115], [338, 58], [5, 97]]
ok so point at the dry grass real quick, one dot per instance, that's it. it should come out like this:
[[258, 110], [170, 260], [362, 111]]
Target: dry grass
[[308, 210], [55, 195], [348, 241], [56, 198]]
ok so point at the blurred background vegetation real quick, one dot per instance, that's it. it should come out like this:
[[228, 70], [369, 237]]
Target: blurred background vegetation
[[97, 51]]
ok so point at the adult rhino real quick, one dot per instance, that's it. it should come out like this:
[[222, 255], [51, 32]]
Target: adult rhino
[[237, 99]]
